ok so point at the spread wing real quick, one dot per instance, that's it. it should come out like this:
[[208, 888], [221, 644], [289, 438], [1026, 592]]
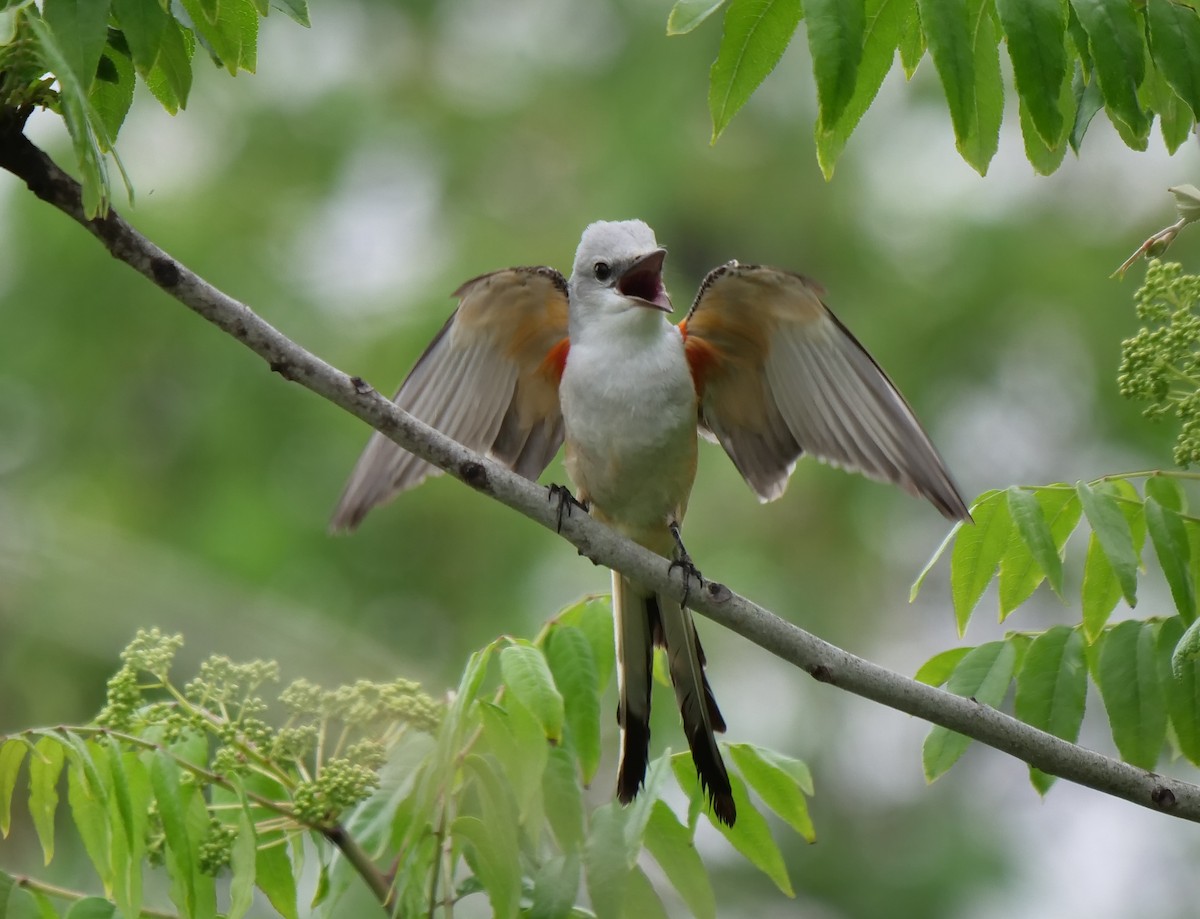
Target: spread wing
[[489, 379], [780, 376]]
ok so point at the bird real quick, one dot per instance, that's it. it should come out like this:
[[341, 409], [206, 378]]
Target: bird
[[530, 361]]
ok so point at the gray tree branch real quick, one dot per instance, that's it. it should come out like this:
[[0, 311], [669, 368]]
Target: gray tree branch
[[818, 658]]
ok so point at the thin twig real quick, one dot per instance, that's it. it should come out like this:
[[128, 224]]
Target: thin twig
[[66, 893], [594, 540]]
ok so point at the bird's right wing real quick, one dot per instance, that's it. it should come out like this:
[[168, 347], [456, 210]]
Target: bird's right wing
[[780, 376], [489, 379]]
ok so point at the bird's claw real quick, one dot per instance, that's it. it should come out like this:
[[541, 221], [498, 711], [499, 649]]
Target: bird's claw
[[566, 501], [683, 562]]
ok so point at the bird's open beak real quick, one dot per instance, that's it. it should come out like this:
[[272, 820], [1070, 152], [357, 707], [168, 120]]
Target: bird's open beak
[[643, 284]]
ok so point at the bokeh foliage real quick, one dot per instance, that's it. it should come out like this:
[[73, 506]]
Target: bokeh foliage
[[159, 476]]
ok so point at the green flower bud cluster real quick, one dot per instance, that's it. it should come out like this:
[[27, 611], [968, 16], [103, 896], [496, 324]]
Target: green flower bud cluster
[[364, 704], [217, 846], [222, 681], [341, 784], [150, 652], [1160, 365], [326, 756]]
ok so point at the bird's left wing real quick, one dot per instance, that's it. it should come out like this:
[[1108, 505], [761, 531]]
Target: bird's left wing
[[489, 379], [778, 376]]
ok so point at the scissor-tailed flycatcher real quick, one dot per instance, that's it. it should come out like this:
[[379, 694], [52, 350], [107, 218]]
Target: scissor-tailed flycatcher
[[530, 361]]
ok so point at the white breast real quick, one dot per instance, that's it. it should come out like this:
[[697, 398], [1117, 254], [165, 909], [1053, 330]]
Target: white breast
[[629, 408]]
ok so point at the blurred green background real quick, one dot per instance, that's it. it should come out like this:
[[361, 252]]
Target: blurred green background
[[152, 472]]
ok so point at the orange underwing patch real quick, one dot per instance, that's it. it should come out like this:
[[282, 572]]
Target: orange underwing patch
[[555, 360], [701, 357]]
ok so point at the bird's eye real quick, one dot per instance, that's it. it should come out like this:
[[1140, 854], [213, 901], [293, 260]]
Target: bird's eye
[[602, 270]]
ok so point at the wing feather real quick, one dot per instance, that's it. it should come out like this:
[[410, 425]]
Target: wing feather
[[779, 376], [485, 380]]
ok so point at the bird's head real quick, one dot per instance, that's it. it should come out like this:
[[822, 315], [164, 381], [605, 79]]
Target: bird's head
[[618, 269]]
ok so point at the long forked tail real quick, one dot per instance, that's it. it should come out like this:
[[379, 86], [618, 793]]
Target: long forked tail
[[642, 621]]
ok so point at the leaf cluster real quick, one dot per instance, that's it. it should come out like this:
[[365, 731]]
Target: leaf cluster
[[1146, 670], [1070, 58], [484, 796], [81, 59]]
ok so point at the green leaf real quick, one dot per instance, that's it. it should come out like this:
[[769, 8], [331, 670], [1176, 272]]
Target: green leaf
[[164, 779], [1079, 41], [296, 9], [1101, 590], [938, 668], [494, 863], [641, 900], [912, 43], [74, 109], [1032, 526], [242, 861], [836, 31], [1115, 40], [609, 858], [45, 766], [1088, 101], [45, 908], [1035, 31], [1175, 47], [1181, 687], [12, 753], [1052, 689], [1175, 117], [232, 36], [685, 15], [757, 32], [81, 28], [1166, 490], [979, 147], [563, 800], [170, 80], [20, 904], [144, 25], [594, 618], [1044, 158], [670, 842], [273, 876], [977, 553], [1133, 696], [1170, 540], [776, 786], [1114, 535], [963, 44], [516, 739], [1020, 572], [555, 887], [111, 95], [89, 811], [948, 35], [91, 908], [569, 654], [128, 805], [983, 674], [528, 678], [881, 34], [1187, 649], [750, 835]]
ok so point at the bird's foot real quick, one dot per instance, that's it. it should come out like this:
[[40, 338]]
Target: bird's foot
[[566, 501], [684, 563]]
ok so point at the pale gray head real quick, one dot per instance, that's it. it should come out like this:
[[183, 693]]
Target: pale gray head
[[618, 268]]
